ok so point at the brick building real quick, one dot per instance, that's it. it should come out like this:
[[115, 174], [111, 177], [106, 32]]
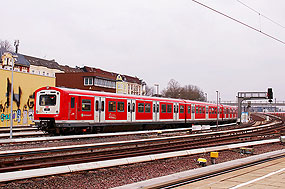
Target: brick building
[[95, 79]]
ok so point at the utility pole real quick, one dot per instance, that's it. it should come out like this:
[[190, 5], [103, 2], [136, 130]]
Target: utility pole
[[12, 59], [217, 108]]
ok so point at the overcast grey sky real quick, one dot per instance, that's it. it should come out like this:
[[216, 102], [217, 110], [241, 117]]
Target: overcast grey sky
[[157, 40]]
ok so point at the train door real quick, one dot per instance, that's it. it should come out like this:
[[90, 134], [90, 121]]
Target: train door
[[188, 112], [72, 109], [207, 112], [99, 115], [193, 112], [155, 112], [131, 110], [175, 111]]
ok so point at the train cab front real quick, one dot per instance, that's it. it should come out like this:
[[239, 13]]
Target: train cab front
[[47, 109]]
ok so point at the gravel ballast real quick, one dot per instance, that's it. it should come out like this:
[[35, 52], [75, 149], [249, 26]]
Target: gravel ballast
[[121, 175]]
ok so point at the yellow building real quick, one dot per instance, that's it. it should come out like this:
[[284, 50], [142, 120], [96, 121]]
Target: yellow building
[[121, 85], [24, 86]]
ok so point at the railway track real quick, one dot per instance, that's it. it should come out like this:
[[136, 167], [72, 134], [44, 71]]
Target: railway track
[[21, 132], [143, 134], [64, 155]]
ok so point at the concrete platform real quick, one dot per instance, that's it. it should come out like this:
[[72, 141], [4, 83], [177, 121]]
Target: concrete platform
[[176, 178], [266, 175]]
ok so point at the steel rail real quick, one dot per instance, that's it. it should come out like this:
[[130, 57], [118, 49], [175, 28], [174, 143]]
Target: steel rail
[[157, 148], [5, 154]]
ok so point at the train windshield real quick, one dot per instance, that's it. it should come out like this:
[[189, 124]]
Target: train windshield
[[47, 100]]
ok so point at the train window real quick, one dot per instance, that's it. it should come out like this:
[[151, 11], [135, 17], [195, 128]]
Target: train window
[[47, 100], [163, 108], [133, 107], [112, 106], [189, 109], [154, 108], [72, 102], [141, 107], [121, 106], [193, 109], [174, 108], [157, 108], [129, 107], [181, 109], [86, 105], [97, 105], [200, 110], [169, 108], [102, 106], [147, 107], [197, 109]]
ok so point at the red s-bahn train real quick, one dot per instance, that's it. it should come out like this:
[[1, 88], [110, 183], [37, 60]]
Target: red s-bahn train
[[73, 111]]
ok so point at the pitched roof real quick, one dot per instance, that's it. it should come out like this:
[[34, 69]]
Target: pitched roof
[[68, 69], [19, 60], [52, 64], [111, 75]]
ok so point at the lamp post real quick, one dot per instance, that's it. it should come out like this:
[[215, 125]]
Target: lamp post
[[157, 89], [12, 78], [217, 108]]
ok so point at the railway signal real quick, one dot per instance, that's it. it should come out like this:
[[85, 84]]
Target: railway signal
[[252, 96], [269, 94]]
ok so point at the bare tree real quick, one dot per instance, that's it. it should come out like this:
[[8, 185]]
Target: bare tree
[[5, 45], [192, 92], [172, 90], [189, 92]]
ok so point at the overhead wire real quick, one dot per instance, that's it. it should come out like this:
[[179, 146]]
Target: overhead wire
[[266, 17], [240, 22]]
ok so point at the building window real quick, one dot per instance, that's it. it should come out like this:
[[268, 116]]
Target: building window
[[104, 83], [88, 81]]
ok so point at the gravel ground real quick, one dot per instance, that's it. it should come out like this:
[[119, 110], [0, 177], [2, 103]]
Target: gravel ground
[[121, 175]]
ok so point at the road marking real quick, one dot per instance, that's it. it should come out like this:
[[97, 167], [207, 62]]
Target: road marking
[[257, 179]]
